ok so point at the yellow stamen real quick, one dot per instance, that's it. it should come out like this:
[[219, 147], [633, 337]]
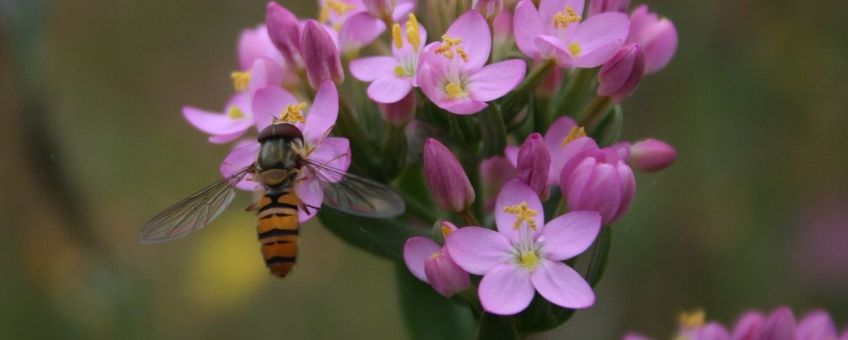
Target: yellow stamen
[[396, 38], [575, 49], [412, 34], [576, 132], [235, 113], [566, 17], [400, 71], [240, 80], [446, 230], [523, 213], [449, 45], [462, 54], [293, 113], [692, 319], [528, 259], [339, 7], [455, 91]]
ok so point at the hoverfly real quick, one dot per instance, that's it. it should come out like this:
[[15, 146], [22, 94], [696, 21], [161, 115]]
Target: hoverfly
[[281, 162]]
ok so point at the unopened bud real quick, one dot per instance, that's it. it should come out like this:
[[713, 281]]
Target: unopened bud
[[320, 55], [447, 180], [652, 155], [283, 30], [401, 112], [620, 75], [533, 164]]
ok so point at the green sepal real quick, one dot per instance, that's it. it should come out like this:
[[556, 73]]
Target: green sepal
[[428, 314]]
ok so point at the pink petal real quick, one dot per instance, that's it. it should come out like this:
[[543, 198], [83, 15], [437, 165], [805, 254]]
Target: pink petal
[[269, 103], [334, 153], [816, 325], [223, 139], [515, 192], [527, 25], [243, 154], [565, 158], [600, 37], [359, 30], [561, 285], [549, 8], [415, 251], [264, 72], [465, 106], [322, 116], [254, 43], [551, 47], [389, 89], [571, 234], [371, 68], [711, 331], [311, 195], [595, 187], [472, 28], [506, 290], [214, 123], [748, 326], [445, 275], [495, 80], [478, 250], [511, 153]]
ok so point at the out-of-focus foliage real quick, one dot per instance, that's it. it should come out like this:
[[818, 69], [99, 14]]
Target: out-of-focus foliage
[[753, 102]]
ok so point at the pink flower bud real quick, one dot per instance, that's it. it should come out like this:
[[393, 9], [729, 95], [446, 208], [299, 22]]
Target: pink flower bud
[[620, 75], [652, 155], [600, 6], [401, 112], [320, 55], [656, 36], [447, 180], [780, 325], [284, 30], [601, 181], [445, 275], [533, 164], [488, 8]]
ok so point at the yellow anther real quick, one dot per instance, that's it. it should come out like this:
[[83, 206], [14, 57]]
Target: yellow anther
[[692, 319], [566, 17], [462, 54], [523, 213], [235, 113], [446, 230], [449, 45], [400, 71], [396, 37], [576, 132], [339, 7], [240, 80], [436, 255], [575, 49], [447, 40], [528, 259], [293, 113], [455, 91], [412, 34]]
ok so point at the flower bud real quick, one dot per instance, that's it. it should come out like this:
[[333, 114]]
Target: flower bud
[[780, 324], [601, 182], [620, 75], [652, 155], [284, 30], [600, 6], [533, 164], [445, 275], [657, 38], [401, 112], [488, 8], [447, 180], [320, 55]]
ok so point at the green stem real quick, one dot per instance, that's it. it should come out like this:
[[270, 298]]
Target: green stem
[[598, 262], [518, 98], [591, 116], [572, 94], [468, 218]]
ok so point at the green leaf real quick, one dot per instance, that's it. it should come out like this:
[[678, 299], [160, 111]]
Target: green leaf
[[382, 237], [494, 327], [493, 131], [600, 253], [428, 314]]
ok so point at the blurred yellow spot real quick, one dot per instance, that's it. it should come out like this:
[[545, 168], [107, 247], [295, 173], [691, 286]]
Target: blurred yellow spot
[[240, 80], [412, 34], [523, 213], [692, 319], [575, 49], [576, 132], [528, 259], [400, 71], [339, 7], [566, 17], [235, 113], [435, 255], [446, 230], [455, 91], [396, 37], [293, 113]]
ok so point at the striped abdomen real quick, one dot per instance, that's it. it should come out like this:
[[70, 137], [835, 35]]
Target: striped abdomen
[[278, 231]]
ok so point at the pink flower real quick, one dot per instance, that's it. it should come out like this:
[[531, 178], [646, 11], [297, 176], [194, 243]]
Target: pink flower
[[360, 22], [260, 63], [599, 180], [393, 77], [525, 255], [656, 36], [223, 127], [447, 180], [284, 30], [320, 54], [432, 263], [620, 75], [652, 155], [564, 140], [816, 325], [557, 31], [533, 164], [255, 44], [452, 73], [333, 152]]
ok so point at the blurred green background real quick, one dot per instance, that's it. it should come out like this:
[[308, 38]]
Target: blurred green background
[[752, 215]]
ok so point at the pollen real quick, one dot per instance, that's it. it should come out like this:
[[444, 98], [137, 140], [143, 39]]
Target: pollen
[[412, 34], [235, 113], [523, 213], [528, 259], [240, 80], [576, 132], [462, 54], [339, 7], [692, 319], [449, 45], [575, 49], [396, 37], [566, 17], [293, 113], [435, 255], [446, 230], [455, 91]]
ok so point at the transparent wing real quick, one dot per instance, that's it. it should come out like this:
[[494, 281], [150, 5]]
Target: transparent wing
[[356, 195], [192, 213]]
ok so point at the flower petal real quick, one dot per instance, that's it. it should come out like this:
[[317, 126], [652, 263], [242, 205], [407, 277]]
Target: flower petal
[[472, 28], [242, 155], [561, 285], [359, 30], [478, 250], [549, 8], [311, 195], [213, 123], [322, 116], [269, 103], [527, 25], [816, 325], [415, 251], [506, 290], [551, 47], [445, 275], [389, 89], [571, 234], [495, 80], [513, 193], [748, 325], [333, 153], [371, 68], [402, 9], [565, 158], [599, 38]]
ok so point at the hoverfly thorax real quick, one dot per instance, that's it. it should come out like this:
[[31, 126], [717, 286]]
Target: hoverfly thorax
[[278, 161]]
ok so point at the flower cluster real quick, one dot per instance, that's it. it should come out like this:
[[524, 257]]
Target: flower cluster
[[779, 324], [511, 109]]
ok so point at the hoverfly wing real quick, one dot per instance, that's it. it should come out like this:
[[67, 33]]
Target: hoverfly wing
[[192, 213], [356, 195]]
